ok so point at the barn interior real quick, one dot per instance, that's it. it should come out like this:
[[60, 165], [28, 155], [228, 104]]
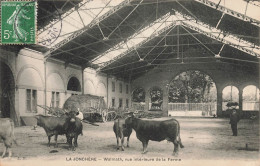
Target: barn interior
[[127, 50]]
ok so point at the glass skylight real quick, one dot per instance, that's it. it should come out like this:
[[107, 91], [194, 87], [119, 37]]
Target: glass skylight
[[242, 7], [135, 39], [122, 48], [73, 21], [217, 34], [90, 12], [237, 8]]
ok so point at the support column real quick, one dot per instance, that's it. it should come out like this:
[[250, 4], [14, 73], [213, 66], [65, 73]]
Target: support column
[[45, 84], [46, 56], [165, 101], [219, 102], [107, 91], [240, 99], [82, 86], [16, 101], [147, 96], [16, 95]]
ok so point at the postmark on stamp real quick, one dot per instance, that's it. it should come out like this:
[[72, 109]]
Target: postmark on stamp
[[18, 22], [51, 32]]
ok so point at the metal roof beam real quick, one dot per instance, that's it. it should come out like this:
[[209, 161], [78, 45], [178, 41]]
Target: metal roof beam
[[138, 45], [229, 12], [94, 22], [219, 35], [132, 37]]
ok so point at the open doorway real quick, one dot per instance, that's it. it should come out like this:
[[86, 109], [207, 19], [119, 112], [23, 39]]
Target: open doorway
[[7, 92]]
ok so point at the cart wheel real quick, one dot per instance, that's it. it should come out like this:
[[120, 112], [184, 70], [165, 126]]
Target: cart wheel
[[104, 115]]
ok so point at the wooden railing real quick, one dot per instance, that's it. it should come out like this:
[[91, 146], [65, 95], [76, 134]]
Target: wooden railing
[[251, 106], [192, 106], [138, 106], [247, 106]]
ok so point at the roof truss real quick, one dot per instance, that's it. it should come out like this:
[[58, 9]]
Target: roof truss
[[230, 12], [194, 24], [77, 31]]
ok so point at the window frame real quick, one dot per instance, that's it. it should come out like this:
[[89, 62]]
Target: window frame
[[113, 102], [120, 87], [127, 89], [55, 99], [120, 102], [113, 86], [31, 100], [127, 103]]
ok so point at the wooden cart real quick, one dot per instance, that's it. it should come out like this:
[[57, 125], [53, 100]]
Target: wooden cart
[[93, 107]]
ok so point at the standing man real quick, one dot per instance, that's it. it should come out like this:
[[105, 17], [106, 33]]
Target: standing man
[[234, 118]]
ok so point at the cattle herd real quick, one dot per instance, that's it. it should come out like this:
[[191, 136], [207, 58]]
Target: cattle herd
[[71, 126]]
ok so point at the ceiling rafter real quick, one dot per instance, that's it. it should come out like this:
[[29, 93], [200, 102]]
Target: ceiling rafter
[[94, 22], [198, 40], [62, 16], [194, 24], [131, 37], [101, 40], [222, 37], [138, 45], [125, 18], [159, 41], [230, 12]]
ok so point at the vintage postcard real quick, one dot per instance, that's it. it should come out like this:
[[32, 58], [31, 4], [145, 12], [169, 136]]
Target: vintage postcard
[[129, 82]]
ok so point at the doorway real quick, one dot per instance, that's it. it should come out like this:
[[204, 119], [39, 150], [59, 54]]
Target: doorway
[[7, 92]]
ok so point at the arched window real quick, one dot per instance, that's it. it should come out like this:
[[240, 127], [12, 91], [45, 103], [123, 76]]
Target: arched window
[[138, 98], [192, 93], [250, 98], [74, 84], [192, 87], [229, 94], [156, 98]]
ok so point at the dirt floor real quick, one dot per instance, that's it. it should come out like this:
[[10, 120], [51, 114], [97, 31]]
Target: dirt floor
[[203, 138]]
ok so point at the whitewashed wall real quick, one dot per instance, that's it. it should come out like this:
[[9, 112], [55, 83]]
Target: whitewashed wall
[[101, 85], [30, 69]]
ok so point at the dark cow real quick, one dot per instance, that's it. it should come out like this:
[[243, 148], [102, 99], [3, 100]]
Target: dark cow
[[157, 130], [66, 124], [74, 130], [122, 128], [7, 134]]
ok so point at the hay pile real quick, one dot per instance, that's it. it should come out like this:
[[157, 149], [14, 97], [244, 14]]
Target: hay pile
[[85, 103], [91, 106]]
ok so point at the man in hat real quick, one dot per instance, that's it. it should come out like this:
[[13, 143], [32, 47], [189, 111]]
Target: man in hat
[[234, 117]]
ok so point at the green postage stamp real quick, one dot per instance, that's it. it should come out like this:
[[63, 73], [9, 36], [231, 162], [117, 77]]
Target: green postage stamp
[[18, 22]]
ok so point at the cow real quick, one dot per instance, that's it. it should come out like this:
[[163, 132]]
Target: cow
[[7, 135], [122, 128], [157, 130], [66, 124], [74, 130]]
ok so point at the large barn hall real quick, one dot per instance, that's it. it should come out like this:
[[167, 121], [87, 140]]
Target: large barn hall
[[196, 61]]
